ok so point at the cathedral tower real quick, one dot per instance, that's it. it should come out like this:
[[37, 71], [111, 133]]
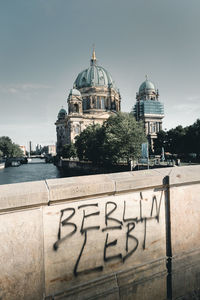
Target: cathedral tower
[[149, 109]]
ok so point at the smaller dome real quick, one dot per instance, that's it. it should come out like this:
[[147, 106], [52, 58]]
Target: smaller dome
[[75, 92], [147, 85], [62, 113]]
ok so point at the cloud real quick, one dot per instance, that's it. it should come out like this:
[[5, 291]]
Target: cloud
[[189, 105], [194, 98], [25, 87]]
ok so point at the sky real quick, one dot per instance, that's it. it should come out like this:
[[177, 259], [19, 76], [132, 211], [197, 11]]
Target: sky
[[45, 44]]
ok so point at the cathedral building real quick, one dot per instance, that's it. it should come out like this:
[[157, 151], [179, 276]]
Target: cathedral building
[[93, 98], [149, 109]]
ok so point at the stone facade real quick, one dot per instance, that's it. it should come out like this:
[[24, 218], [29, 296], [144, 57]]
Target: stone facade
[[94, 98]]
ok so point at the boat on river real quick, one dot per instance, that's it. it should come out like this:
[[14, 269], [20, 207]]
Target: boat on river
[[15, 163], [2, 165]]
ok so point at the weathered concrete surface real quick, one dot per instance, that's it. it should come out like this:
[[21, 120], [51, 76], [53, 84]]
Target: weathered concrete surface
[[185, 230], [135, 221], [21, 255], [102, 237], [102, 288], [145, 282], [24, 194], [185, 218], [81, 186], [185, 175], [185, 235], [128, 181], [185, 274]]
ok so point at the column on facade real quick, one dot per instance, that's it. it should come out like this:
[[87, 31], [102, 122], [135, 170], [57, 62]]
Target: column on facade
[[148, 127], [117, 104], [158, 127], [90, 98], [110, 102], [95, 102]]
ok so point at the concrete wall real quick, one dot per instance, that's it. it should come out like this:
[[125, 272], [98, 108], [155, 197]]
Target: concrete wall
[[133, 235]]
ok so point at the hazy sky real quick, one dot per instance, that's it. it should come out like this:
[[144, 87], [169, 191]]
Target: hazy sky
[[44, 44]]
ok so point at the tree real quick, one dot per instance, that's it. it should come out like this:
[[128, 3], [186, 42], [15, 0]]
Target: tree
[[6, 145], [192, 138], [8, 148], [118, 140], [123, 138], [160, 141], [68, 151], [16, 151], [175, 139], [89, 144], [179, 140]]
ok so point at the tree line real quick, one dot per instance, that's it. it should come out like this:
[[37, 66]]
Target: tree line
[[117, 141], [179, 140], [8, 148]]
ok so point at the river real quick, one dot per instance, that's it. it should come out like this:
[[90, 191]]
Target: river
[[37, 169]]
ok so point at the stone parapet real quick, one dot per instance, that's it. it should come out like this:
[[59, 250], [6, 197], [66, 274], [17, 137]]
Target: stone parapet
[[108, 236], [23, 195], [79, 187]]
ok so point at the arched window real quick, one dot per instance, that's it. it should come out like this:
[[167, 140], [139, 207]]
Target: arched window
[[88, 103], [76, 108], [113, 105], [85, 104]]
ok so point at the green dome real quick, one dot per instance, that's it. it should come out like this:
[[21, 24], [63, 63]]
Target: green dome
[[147, 85], [62, 113], [94, 76]]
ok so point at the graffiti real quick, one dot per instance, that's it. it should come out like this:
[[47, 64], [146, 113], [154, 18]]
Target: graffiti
[[127, 223]]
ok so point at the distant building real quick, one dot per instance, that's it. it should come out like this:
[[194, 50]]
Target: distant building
[[38, 149], [92, 100], [51, 149], [23, 148], [30, 147], [149, 109]]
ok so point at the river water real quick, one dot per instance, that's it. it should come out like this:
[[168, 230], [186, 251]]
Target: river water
[[37, 169]]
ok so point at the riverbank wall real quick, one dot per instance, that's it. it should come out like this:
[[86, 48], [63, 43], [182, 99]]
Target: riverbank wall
[[76, 167], [130, 235], [70, 167]]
